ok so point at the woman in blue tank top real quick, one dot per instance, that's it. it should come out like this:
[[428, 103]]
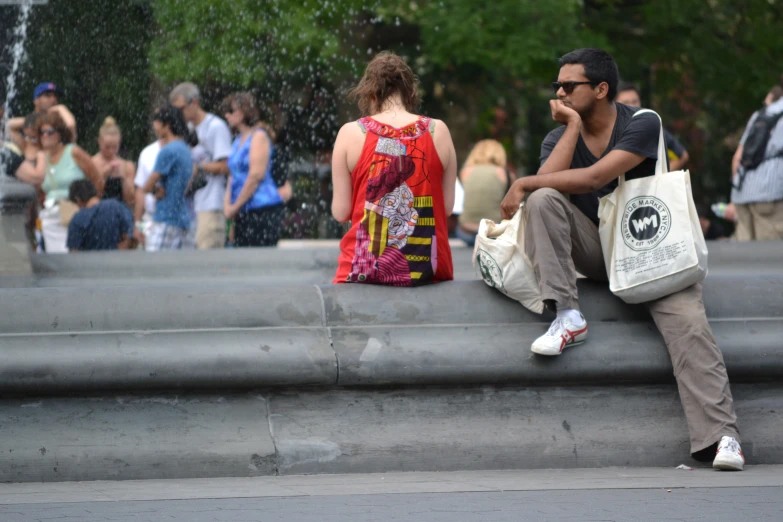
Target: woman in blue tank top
[[252, 200]]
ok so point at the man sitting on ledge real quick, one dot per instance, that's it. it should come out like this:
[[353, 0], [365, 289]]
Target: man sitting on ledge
[[598, 142]]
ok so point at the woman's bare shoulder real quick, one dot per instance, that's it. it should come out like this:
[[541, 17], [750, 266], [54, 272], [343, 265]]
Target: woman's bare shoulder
[[351, 129], [441, 128]]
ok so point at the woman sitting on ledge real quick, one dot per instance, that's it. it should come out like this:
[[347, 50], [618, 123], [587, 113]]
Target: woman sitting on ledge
[[486, 181], [393, 174]]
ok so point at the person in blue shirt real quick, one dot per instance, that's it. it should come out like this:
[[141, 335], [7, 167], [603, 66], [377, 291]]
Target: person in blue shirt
[[168, 181], [100, 224], [253, 199]]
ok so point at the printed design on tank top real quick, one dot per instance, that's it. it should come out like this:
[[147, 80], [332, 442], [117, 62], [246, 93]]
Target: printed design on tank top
[[395, 241]]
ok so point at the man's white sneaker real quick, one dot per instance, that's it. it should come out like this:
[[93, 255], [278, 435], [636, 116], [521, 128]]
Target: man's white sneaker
[[562, 334], [729, 456]]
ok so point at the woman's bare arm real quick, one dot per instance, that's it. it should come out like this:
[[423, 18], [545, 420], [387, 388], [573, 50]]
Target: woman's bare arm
[[84, 162]]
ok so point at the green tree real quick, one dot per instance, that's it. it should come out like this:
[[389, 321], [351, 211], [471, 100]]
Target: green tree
[[244, 42], [705, 65], [500, 55]]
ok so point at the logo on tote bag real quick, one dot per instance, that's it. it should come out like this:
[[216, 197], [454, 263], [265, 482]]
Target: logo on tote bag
[[490, 271], [646, 222]]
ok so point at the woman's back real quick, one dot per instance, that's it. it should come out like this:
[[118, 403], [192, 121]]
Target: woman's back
[[399, 234], [484, 190]]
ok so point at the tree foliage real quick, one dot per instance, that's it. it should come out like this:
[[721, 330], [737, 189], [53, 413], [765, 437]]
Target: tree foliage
[[244, 42], [705, 65], [520, 38]]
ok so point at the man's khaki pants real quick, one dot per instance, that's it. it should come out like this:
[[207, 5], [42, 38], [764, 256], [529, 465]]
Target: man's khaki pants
[[760, 221], [211, 230], [561, 240]]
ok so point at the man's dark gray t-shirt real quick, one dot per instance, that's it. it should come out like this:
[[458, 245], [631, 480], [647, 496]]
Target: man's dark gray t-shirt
[[637, 135]]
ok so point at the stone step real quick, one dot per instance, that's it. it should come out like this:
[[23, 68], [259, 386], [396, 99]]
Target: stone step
[[227, 434], [287, 266]]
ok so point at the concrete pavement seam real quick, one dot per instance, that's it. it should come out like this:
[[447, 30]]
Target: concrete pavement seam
[[71, 333], [328, 334], [271, 432], [322, 303]]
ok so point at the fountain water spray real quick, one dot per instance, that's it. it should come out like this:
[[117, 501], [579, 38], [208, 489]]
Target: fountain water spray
[[17, 52], [15, 197]]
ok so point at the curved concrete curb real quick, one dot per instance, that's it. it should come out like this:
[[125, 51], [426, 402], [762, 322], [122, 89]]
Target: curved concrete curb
[[615, 353], [455, 333], [280, 266], [83, 310], [102, 309], [135, 437], [35, 365], [341, 379], [359, 431]]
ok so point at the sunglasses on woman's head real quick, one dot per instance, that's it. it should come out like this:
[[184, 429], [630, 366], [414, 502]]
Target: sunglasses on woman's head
[[47, 132], [568, 87]]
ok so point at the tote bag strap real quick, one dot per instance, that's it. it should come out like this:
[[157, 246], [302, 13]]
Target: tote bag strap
[[661, 166]]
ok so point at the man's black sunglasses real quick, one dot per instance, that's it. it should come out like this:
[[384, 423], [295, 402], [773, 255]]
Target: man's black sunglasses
[[568, 87]]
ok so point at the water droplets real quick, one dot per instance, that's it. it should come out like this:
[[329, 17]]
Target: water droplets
[[17, 53]]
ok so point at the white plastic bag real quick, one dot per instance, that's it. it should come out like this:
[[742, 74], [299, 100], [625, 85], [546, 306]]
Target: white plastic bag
[[499, 258], [651, 237]]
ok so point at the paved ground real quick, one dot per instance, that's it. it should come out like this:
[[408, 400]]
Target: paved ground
[[648, 494]]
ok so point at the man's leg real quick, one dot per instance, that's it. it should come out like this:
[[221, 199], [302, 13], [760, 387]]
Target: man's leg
[[154, 237], [744, 230], [768, 220], [559, 239], [211, 230], [698, 367]]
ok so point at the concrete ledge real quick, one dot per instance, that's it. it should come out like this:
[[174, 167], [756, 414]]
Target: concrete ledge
[[144, 308], [133, 339], [504, 428], [461, 302], [125, 437], [37, 365], [347, 431], [340, 379], [615, 353], [283, 266], [380, 356], [195, 263]]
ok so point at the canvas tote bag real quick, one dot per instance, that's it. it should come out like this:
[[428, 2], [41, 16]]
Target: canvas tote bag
[[499, 258], [651, 238]]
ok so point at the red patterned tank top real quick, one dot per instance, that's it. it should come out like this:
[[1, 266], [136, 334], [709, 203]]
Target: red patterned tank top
[[398, 234]]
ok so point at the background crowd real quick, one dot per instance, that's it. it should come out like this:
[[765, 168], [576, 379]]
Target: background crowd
[[297, 61], [209, 181], [205, 182]]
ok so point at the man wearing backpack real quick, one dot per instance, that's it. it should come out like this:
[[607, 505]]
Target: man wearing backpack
[[758, 176]]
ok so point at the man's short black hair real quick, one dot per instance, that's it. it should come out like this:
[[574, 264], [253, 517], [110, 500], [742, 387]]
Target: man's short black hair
[[81, 191], [627, 86], [169, 115], [599, 67]]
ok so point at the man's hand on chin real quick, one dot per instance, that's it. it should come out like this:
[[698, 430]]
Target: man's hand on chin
[[562, 113], [514, 197]]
